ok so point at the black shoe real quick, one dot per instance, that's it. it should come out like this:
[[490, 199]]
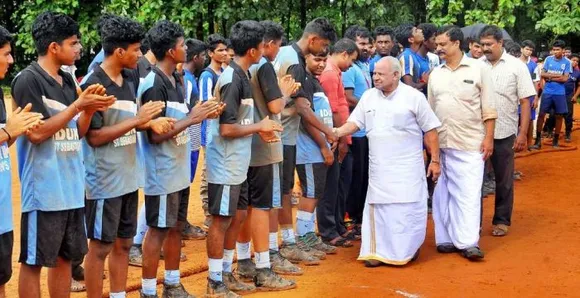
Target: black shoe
[[555, 141], [372, 263], [472, 253], [446, 248], [568, 137], [416, 256]]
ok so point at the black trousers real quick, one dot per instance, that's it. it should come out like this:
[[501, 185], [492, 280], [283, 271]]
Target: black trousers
[[569, 118], [502, 160], [360, 179], [331, 209]]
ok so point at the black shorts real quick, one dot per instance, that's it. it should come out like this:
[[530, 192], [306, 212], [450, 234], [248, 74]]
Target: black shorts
[[109, 219], [47, 235], [264, 185], [165, 211], [6, 243], [225, 200], [312, 178], [288, 167]]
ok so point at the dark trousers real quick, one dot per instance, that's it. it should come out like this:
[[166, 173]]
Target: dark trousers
[[502, 160], [569, 118], [360, 179], [331, 208], [550, 123]]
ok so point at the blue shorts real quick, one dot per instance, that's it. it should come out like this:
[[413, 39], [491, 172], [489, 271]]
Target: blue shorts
[[194, 159], [532, 110], [556, 102]]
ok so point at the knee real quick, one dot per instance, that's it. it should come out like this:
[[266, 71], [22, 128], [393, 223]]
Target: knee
[[221, 223], [100, 250]]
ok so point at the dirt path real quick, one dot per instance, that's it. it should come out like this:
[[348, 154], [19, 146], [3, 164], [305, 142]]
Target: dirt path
[[540, 257]]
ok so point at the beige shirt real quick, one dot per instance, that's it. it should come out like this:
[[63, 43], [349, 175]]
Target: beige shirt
[[511, 83], [462, 99]]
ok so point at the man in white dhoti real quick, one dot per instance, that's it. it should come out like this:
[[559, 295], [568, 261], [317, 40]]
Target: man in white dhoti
[[395, 116], [460, 92]]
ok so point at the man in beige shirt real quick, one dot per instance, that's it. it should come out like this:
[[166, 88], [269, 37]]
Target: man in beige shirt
[[513, 86], [461, 94]]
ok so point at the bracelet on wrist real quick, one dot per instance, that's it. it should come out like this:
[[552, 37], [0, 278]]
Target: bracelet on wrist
[[7, 134], [435, 161]]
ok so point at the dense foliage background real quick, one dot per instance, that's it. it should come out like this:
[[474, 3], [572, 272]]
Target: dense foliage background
[[539, 20]]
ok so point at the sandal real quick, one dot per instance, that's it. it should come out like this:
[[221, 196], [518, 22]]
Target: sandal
[[339, 242], [351, 235], [500, 230], [77, 286]]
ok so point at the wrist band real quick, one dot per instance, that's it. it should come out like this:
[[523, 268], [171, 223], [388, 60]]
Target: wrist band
[[6, 132], [435, 161]]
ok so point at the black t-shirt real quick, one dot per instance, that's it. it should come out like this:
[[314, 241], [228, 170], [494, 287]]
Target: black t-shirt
[[143, 67], [233, 87], [125, 94], [269, 82]]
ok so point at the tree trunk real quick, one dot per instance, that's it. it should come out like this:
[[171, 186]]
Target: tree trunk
[[302, 14], [211, 17]]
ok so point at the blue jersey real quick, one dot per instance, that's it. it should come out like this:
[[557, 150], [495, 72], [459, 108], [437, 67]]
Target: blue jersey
[[52, 172], [207, 82], [556, 66], [191, 99], [372, 63], [5, 177], [410, 65], [357, 78], [97, 60], [167, 164], [228, 159], [111, 168], [572, 82], [307, 151]]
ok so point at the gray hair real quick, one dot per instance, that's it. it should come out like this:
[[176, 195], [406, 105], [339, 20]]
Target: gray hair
[[394, 64]]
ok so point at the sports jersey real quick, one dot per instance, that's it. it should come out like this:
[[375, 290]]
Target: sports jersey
[[5, 177], [559, 67], [357, 78]]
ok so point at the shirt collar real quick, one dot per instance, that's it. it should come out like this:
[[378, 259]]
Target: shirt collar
[[299, 52], [330, 64], [164, 78], [104, 77], [465, 61], [239, 70], [49, 78], [390, 96]]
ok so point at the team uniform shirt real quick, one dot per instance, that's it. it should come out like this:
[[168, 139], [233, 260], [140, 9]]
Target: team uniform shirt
[[167, 164], [372, 63], [410, 65], [265, 89], [556, 66], [290, 60], [110, 168], [142, 70], [51, 173], [207, 82], [357, 78], [191, 99], [307, 150], [572, 82], [5, 176], [230, 157], [98, 59], [434, 60]]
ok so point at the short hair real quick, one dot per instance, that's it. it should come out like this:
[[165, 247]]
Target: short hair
[[403, 32], [322, 28], [574, 55], [394, 63], [145, 44], [528, 43], [355, 31], [49, 27], [323, 53], [384, 30], [453, 32], [272, 31], [344, 45], [194, 48], [428, 30], [214, 40], [228, 44], [5, 37], [512, 47], [559, 44], [568, 48], [163, 37], [491, 30], [119, 32], [246, 35]]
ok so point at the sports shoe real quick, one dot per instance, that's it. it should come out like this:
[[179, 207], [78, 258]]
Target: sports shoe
[[175, 291], [246, 269], [316, 243], [306, 244], [136, 255], [282, 266], [295, 255], [191, 232], [267, 280], [237, 286], [568, 137], [218, 289], [147, 296]]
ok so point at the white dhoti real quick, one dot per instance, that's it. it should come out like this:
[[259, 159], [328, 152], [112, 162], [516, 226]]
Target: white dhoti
[[457, 198], [392, 233]]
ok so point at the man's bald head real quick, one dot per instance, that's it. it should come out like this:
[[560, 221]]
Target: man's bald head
[[387, 74]]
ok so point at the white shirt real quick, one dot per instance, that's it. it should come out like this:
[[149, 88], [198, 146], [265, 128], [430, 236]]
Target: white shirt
[[395, 126], [511, 82]]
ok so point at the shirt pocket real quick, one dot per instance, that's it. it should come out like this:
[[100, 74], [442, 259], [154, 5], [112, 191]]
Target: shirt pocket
[[369, 120]]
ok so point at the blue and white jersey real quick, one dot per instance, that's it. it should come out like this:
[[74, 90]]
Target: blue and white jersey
[[167, 164], [207, 82], [5, 177], [556, 66], [52, 172], [228, 159], [111, 168], [191, 99], [357, 78], [307, 151]]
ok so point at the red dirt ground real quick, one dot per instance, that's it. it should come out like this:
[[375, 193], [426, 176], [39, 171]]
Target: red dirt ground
[[539, 258]]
